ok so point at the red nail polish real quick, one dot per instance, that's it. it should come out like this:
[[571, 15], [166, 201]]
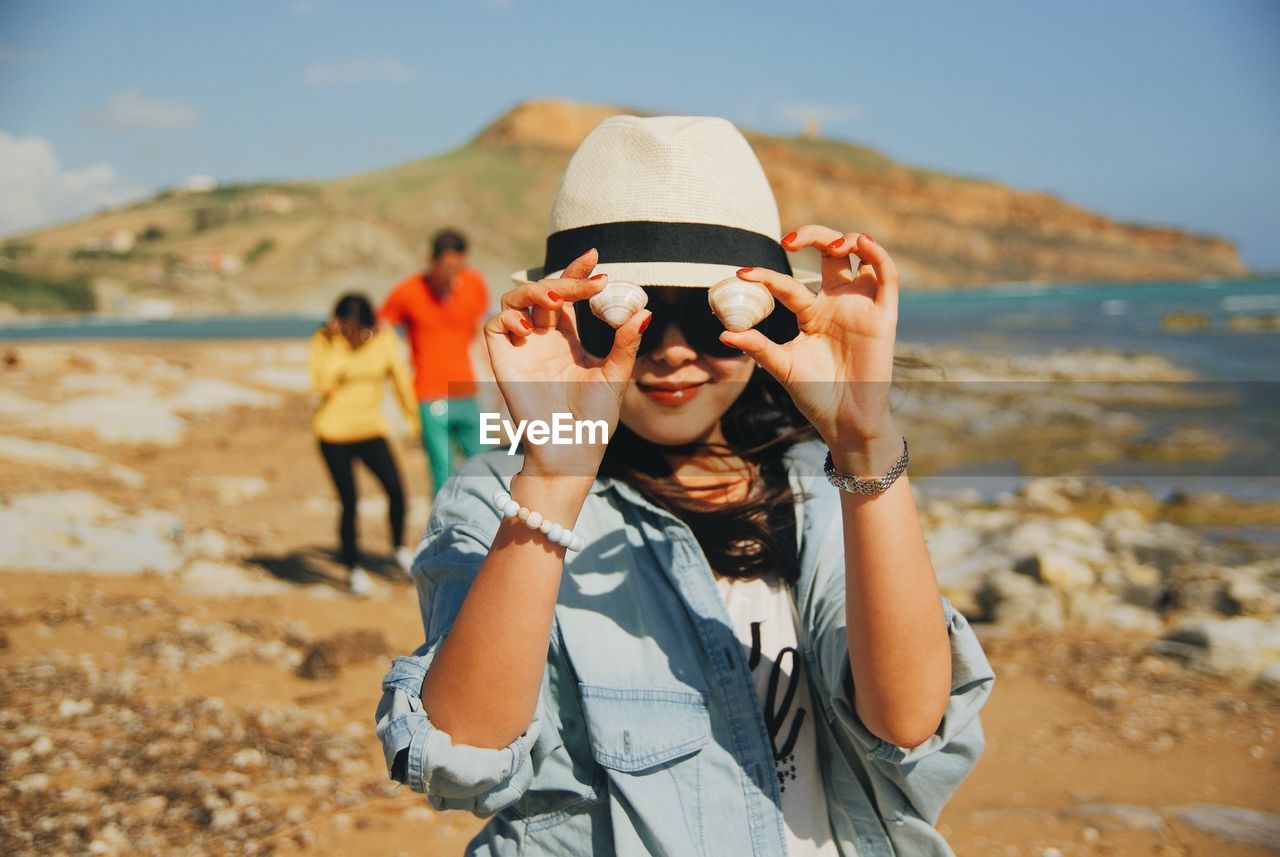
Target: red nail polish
[[836, 245], [790, 236], [552, 295], [745, 270], [598, 277], [869, 238], [525, 323], [645, 323]]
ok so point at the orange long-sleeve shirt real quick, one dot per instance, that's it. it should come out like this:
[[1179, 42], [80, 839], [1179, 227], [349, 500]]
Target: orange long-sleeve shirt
[[440, 332]]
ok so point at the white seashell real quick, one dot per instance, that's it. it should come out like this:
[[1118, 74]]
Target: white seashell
[[618, 301], [739, 304]]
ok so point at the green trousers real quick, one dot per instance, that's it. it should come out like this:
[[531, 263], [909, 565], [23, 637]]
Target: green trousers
[[455, 420]]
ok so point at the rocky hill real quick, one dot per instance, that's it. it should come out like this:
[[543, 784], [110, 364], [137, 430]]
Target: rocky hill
[[293, 246]]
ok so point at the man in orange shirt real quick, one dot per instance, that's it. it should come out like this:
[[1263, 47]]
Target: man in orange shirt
[[442, 309]]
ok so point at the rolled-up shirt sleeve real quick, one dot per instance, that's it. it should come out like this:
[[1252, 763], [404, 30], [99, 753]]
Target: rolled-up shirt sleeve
[[928, 773], [452, 775]]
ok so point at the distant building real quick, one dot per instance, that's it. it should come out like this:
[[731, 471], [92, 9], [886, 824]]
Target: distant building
[[214, 261], [199, 183], [122, 240]]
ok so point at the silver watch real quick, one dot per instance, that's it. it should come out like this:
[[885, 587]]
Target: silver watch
[[855, 485]]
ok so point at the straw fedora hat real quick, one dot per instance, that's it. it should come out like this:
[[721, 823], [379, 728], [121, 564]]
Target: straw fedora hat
[[667, 201]]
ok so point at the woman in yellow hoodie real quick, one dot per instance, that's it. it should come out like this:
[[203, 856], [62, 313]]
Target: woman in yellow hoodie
[[350, 363]]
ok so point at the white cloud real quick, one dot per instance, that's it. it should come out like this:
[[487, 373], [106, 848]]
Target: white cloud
[[824, 114], [35, 191], [129, 110], [358, 71]]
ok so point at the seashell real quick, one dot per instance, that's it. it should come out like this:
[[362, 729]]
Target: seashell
[[617, 302], [739, 304]]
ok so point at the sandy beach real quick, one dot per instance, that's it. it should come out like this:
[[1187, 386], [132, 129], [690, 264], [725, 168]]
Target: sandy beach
[[182, 671]]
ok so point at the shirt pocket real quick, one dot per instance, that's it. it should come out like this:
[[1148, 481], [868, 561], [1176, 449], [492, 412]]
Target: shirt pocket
[[634, 729]]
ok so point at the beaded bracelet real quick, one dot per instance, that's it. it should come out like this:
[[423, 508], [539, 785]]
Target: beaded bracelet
[[562, 536]]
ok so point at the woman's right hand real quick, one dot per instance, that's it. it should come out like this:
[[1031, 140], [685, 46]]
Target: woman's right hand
[[542, 369]]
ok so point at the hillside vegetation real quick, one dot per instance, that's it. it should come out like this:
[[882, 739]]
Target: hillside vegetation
[[293, 246]]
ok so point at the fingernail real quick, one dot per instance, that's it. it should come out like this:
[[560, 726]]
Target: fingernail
[[745, 270], [869, 238], [524, 322], [790, 236], [645, 323], [836, 245], [598, 277], [552, 295]]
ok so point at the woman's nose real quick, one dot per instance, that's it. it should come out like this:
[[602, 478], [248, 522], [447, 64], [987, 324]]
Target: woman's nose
[[673, 349]]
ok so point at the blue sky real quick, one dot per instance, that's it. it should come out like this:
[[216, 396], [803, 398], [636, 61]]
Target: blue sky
[[1163, 112]]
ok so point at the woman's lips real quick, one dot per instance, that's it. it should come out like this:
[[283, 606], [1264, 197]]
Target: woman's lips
[[671, 395]]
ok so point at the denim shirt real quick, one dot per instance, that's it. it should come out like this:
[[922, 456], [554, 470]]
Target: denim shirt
[[648, 738]]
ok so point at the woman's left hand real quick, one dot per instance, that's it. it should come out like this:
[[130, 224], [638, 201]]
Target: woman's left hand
[[838, 369]]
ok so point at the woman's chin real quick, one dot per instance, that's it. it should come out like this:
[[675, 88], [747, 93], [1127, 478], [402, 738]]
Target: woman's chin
[[670, 427]]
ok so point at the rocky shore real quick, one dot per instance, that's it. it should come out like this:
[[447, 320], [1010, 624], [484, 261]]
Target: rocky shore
[[181, 671]]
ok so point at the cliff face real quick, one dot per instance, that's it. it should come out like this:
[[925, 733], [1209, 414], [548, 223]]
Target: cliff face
[[295, 246], [943, 230]]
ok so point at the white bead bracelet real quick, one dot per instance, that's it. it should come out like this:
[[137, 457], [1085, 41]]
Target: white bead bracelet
[[562, 536]]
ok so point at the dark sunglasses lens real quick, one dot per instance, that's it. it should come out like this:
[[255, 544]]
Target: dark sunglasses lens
[[595, 334], [693, 315]]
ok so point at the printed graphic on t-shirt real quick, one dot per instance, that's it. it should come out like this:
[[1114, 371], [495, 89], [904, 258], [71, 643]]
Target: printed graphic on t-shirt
[[764, 621], [780, 697]]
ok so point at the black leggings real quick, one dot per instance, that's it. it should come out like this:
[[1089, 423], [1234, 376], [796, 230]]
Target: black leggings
[[377, 457]]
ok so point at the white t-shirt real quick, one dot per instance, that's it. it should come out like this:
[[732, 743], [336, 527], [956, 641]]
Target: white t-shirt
[[764, 620]]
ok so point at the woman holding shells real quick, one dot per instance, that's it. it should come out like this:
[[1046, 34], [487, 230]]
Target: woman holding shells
[[651, 644]]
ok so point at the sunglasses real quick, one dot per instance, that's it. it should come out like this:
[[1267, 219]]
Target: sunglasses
[[692, 314]]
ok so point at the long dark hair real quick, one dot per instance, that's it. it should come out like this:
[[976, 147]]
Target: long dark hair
[[755, 536]]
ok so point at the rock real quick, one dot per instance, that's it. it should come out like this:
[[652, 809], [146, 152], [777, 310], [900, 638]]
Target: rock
[[205, 577], [78, 531], [148, 808], [75, 707], [210, 544], [1059, 570], [30, 453], [1181, 320], [326, 657], [1102, 610], [1136, 583], [1073, 537], [1249, 596], [418, 813], [1114, 817], [234, 490], [1239, 648], [1041, 607], [211, 395], [1244, 322], [249, 757], [1268, 680], [1047, 495], [962, 578], [1233, 824]]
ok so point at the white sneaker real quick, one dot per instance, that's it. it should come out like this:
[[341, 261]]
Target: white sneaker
[[404, 556], [359, 583]]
